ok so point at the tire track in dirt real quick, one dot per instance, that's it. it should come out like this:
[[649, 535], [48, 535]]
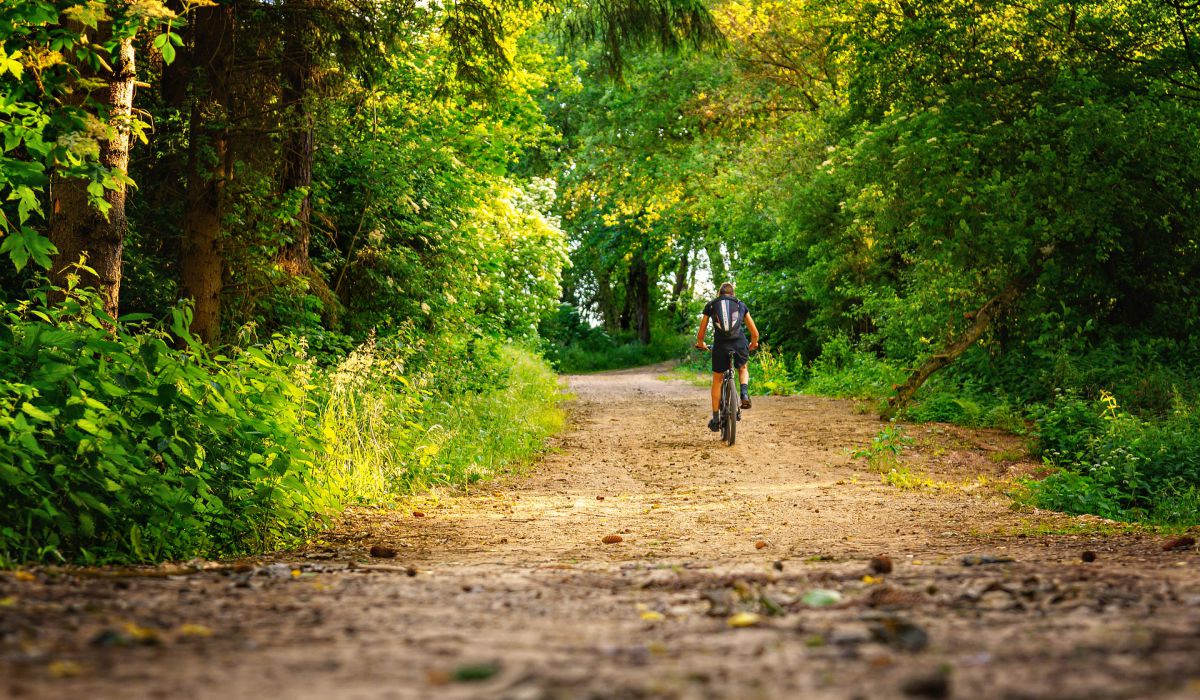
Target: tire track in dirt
[[512, 583]]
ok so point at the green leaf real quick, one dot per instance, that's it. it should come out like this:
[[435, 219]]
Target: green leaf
[[36, 413]]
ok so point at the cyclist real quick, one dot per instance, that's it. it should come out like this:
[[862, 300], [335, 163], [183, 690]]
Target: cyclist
[[730, 318]]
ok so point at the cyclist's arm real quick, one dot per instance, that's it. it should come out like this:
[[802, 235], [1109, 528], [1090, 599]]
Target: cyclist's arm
[[703, 331], [753, 332]]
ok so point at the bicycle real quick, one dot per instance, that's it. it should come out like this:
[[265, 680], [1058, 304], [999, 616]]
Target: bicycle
[[730, 407]]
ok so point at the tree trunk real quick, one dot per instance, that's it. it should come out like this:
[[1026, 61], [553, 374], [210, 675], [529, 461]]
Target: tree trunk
[[76, 227], [677, 290], [605, 303], [716, 264], [625, 320], [200, 256], [639, 295], [981, 320], [296, 173]]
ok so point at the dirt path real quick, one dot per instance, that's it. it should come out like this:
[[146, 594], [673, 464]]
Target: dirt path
[[508, 592]]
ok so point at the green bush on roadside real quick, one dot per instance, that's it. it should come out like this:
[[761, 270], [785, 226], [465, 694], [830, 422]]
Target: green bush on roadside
[[126, 441], [114, 445]]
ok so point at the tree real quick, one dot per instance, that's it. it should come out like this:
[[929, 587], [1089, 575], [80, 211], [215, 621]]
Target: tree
[[96, 231], [209, 164]]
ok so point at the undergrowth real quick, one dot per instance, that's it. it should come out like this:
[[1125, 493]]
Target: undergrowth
[[572, 346], [127, 441]]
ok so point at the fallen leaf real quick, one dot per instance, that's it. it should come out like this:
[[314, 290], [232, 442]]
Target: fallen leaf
[[881, 564], [469, 673], [141, 635], [1179, 543], [25, 576], [64, 669], [900, 634], [821, 597], [8, 601], [191, 630], [418, 514], [744, 619], [653, 616], [612, 539], [380, 551], [871, 580]]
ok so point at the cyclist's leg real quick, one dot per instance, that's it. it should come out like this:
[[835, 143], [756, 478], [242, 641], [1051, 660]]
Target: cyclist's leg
[[719, 363], [743, 364]]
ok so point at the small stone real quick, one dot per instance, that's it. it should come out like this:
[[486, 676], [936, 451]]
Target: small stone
[[380, 551], [760, 544], [1088, 556], [899, 633], [985, 559], [418, 514], [881, 564], [411, 571], [927, 685], [777, 565], [612, 539]]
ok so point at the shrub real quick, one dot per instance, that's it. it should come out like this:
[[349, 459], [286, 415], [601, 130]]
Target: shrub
[[1117, 465], [842, 371], [115, 445], [771, 374]]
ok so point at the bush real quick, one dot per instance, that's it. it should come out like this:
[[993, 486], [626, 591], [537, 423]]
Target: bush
[[573, 346], [1117, 465], [386, 433], [771, 375], [842, 371], [114, 445]]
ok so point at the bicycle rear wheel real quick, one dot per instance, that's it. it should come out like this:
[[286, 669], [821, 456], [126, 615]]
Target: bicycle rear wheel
[[730, 412]]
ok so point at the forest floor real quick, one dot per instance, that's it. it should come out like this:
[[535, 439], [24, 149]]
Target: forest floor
[[507, 591]]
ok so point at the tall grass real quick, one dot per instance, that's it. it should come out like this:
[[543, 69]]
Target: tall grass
[[476, 437], [386, 434]]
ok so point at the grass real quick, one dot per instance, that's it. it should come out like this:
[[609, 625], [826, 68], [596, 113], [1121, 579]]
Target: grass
[[384, 439], [618, 353], [482, 436]]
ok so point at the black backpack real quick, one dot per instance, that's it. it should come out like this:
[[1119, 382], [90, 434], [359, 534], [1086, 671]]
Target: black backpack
[[727, 317]]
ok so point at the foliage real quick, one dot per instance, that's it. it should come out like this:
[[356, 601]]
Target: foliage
[[389, 430], [118, 446], [841, 370], [883, 454], [771, 376], [574, 346], [1117, 465], [48, 123]]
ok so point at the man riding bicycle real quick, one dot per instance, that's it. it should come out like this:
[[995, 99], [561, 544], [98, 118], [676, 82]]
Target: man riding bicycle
[[730, 318]]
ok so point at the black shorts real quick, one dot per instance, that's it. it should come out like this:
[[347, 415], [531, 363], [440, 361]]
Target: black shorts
[[720, 354]]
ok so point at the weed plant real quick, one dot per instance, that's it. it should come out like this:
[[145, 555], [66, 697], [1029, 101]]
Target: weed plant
[[124, 440]]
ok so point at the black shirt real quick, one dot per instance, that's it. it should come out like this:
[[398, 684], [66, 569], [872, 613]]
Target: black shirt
[[728, 314]]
